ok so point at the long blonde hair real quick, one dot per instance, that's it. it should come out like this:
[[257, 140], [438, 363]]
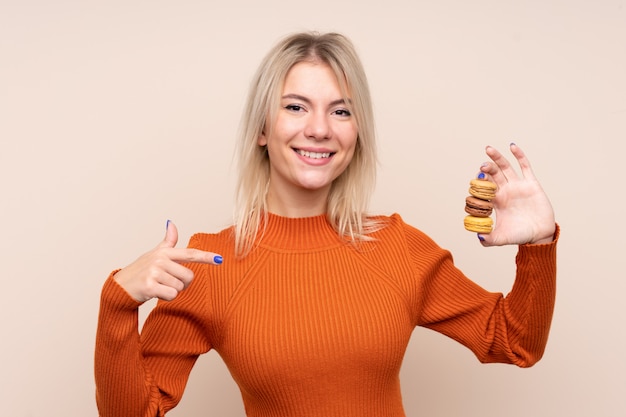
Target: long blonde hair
[[350, 192]]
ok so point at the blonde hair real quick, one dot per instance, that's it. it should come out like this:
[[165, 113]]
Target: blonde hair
[[350, 192]]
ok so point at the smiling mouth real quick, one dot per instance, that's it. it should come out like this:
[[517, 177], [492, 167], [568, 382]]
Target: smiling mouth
[[314, 155]]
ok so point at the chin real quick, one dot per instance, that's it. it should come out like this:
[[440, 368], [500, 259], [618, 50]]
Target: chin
[[316, 185]]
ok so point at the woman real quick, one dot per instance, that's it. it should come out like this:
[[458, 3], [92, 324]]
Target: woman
[[315, 301]]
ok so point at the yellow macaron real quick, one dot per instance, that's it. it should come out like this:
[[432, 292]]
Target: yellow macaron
[[478, 224], [483, 189]]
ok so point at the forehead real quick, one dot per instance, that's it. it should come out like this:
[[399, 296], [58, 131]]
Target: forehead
[[314, 77]]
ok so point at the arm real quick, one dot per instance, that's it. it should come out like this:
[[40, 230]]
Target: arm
[[512, 329], [123, 385], [129, 382]]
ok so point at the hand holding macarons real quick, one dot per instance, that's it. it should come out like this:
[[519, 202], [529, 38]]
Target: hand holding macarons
[[524, 213]]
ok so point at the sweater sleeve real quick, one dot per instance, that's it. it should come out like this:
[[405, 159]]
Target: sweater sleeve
[[145, 374], [512, 329], [123, 385]]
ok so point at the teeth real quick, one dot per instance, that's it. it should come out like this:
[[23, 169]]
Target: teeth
[[313, 155]]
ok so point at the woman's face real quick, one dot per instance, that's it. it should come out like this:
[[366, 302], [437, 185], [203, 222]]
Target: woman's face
[[313, 137]]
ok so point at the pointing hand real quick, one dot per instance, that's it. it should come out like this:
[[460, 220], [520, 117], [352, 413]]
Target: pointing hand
[[159, 273]]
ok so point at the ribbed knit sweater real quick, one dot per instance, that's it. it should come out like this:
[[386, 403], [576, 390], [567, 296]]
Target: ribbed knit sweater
[[310, 325]]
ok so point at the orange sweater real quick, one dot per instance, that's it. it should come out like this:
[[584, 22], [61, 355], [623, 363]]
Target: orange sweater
[[310, 326]]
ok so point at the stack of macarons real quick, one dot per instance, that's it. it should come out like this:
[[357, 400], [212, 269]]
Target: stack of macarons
[[478, 205]]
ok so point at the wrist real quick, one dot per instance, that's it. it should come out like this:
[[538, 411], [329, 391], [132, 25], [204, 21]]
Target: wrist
[[545, 238]]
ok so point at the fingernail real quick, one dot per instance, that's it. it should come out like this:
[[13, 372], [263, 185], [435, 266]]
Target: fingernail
[[482, 239], [217, 259], [512, 143], [481, 176], [167, 224]]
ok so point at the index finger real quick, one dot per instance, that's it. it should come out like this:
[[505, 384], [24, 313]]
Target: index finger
[[196, 256], [501, 170]]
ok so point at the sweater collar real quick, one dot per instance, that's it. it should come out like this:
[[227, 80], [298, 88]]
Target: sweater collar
[[298, 234]]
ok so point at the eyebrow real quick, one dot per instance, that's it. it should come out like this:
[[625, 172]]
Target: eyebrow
[[307, 101]]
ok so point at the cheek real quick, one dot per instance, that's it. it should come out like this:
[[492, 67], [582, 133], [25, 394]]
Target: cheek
[[349, 150], [351, 157], [350, 139], [286, 125], [350, 145]]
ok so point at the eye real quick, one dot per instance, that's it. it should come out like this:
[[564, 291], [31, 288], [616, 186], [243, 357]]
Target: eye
[[294, 107], [342, 112]]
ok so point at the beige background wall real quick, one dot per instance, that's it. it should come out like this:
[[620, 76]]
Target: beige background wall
[[118, 115]]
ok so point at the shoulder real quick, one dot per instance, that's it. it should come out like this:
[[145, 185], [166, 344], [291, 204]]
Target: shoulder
[[222, 240], [397, 236], [394, 224]]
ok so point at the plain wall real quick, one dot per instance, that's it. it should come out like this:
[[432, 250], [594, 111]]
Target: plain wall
[[118, 115]]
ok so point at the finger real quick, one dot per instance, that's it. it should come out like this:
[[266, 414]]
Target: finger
[[178, 272], [501, 170], [157, 284], [186, 255], [490, 172], [523, 161], [485, 239], [166, 280], [196, 256], [165, 292], [171, 236], [174, 282], [491, 239]]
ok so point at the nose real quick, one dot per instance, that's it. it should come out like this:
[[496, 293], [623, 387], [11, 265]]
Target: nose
[[318, 126]]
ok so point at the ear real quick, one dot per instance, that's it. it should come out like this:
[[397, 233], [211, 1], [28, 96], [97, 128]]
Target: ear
[[262, 139]]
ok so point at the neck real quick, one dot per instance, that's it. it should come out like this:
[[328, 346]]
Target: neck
[[306, 203]]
